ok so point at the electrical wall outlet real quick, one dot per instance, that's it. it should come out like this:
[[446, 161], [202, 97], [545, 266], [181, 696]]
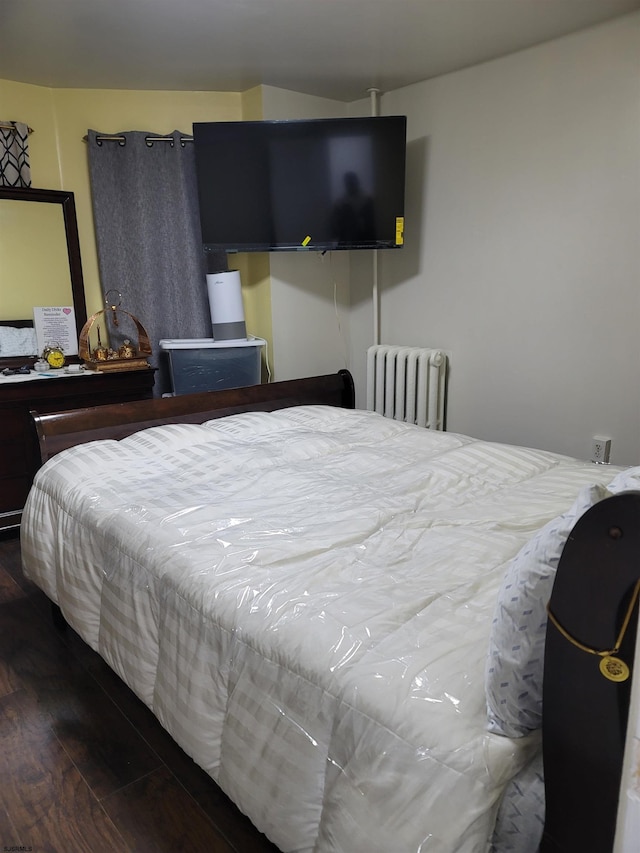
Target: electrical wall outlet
[[600, 449]]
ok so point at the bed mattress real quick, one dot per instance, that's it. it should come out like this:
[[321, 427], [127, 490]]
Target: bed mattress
[[304, 600]]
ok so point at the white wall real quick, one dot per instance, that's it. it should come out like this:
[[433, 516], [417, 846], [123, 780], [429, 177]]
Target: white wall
[[522, 242], [521, 255], [309, 291]]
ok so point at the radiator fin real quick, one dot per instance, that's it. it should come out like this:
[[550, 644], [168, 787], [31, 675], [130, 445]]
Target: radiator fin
[[407, 384]]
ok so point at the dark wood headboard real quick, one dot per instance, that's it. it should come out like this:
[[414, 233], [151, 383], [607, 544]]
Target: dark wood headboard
[[584, 715], [61, 430]]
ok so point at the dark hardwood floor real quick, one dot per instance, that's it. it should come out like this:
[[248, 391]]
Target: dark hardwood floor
[[85, 767]]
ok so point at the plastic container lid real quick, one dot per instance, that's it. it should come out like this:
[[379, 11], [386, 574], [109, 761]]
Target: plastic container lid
[[209, 343]]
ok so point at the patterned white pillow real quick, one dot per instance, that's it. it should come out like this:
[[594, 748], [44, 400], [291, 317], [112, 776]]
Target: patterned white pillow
[[520, 820], [515, 660], [16, 341]]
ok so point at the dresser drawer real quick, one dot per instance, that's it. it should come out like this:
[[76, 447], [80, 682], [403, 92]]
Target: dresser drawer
[[11, 460], [14, 421], [19, 452]]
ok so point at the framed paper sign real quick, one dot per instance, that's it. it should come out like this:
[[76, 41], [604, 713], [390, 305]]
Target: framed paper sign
[[56, 326]]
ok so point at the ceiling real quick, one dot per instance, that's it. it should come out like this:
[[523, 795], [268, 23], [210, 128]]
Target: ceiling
[[332, 48]]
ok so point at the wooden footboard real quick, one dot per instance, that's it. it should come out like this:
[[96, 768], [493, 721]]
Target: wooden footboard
[[61, 430], [584, 712]]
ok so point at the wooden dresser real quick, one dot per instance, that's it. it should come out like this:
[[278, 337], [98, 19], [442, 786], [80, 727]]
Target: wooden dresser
[[19, 456]]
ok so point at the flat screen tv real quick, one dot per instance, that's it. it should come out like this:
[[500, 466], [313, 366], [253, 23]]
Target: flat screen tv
[[301, 185]]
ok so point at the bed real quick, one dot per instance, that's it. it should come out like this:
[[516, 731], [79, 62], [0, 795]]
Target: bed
[[341, 617]]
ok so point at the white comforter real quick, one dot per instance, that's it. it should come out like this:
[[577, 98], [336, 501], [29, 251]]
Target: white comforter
[[304, 600]]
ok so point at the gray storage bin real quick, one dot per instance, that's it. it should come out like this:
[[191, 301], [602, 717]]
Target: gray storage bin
[[203, 364]]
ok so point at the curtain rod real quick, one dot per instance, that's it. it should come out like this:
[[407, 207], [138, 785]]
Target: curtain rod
[[12, 127], [122, 140]]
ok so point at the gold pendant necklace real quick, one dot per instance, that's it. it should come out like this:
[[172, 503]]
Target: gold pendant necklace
[[612, 667]]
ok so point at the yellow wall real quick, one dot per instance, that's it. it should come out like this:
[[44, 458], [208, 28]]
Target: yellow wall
[[33, 105], [252, 104], [60, 119]]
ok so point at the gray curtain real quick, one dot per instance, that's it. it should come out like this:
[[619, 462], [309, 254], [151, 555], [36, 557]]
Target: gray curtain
[[15, 170], [145, 205]]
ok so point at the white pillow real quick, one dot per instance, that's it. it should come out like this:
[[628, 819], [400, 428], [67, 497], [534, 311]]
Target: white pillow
[[16, 342], [520, 820], [626, 481], [515, 661]]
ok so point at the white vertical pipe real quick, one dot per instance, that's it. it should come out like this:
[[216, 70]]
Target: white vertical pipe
[[373, 95]]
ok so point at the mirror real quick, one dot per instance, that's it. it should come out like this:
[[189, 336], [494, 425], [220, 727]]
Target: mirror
[[39, 258]]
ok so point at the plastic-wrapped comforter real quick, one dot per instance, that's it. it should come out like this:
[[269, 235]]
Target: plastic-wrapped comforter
[[304, 600]]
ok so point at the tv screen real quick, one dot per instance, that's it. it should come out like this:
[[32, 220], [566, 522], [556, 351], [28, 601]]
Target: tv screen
[[301, 185]]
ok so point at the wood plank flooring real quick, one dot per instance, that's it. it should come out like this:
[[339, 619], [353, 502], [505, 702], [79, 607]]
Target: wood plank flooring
[[85, 767]]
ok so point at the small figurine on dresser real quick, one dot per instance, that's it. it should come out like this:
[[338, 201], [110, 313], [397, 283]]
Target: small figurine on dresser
[[127, 355], [127, 350]]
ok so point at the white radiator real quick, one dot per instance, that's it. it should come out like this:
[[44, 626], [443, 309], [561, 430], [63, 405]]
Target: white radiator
[[407, 384]]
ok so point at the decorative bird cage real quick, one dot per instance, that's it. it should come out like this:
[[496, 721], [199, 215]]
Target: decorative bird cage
[[131, 353]]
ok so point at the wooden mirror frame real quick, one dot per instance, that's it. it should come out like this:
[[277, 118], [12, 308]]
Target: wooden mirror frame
[[67, 201]]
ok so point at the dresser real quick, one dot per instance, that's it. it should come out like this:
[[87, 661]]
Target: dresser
[[19, 455]]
